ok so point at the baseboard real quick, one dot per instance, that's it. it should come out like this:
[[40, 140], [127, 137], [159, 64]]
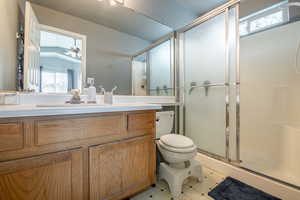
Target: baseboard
[[270, 186]]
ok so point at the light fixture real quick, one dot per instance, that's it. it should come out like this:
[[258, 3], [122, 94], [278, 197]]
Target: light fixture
[[119, 2], [113, 2]]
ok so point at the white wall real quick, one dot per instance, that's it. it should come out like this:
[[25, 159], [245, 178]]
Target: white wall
[[107, 50], [270, 120], [8, 43]]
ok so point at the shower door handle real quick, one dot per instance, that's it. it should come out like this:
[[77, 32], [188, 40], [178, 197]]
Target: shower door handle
[[206, 85], [193, 86]]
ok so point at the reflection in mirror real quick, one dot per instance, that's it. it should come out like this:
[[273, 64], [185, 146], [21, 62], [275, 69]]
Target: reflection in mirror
[[153, 71], [108, 51], [161, 70], [61, 60], [139, 75]]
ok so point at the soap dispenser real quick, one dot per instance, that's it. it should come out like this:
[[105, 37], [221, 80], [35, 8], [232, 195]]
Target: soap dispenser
[[92, 92]]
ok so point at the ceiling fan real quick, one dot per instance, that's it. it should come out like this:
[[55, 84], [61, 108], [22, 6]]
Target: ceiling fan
[[74, 51]]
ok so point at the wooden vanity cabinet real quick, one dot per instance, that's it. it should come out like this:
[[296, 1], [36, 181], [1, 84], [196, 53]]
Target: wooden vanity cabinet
[[77, 157], [121, 169], [56, 176]]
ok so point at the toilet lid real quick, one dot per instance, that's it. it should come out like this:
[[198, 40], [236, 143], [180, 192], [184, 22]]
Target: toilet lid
[[177, 150], [177, 141]]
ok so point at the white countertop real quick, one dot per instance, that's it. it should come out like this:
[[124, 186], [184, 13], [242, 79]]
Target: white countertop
[[7, 111]]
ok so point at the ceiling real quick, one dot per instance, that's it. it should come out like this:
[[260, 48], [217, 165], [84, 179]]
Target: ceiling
[[199, 7], [146, 19]]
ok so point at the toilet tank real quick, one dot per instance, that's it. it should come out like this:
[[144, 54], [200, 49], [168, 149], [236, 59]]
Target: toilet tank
[[164, 123]]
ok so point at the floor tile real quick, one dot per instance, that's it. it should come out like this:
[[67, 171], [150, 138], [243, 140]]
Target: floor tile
[[194, 195], [154, 193], [192, 188]]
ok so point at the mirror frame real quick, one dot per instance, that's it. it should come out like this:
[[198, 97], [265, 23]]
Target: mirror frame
[[75, 35]]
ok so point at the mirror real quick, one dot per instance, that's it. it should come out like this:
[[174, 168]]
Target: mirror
[[71, 54], [61, 44]]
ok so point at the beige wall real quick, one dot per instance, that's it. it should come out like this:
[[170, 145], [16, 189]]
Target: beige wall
[[250, 6], [107, 49], [22, 6], [8, 43]]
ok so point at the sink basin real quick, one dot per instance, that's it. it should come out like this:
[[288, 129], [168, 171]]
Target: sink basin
[[69, 105]]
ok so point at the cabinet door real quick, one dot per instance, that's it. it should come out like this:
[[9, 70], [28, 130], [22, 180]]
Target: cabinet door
[[54, 176], [139, 167], [121, 169]]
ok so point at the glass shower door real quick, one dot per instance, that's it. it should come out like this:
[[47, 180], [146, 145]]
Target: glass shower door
[[205, 88], [211, 82]]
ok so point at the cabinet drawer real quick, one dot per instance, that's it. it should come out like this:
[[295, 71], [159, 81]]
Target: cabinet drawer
[[11, 136], [64, 130], [141, 123]]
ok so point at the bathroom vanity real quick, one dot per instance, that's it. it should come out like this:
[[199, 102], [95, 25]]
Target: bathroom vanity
[[94, 153]]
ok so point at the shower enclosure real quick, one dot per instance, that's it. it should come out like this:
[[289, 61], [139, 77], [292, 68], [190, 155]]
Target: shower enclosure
[[208, 60], [270, 80], [241, 94]]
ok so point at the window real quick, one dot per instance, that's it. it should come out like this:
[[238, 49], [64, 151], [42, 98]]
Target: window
[[54, 82], [244, 28], [264, 19], [267, 21]]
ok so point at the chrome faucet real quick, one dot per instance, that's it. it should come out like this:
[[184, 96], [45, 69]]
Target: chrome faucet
[[193, 85], [206, 85]]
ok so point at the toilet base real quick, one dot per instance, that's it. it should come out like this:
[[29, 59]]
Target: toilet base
[[176, 176]]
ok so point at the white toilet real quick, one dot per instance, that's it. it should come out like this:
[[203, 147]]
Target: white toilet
[[178, 151]]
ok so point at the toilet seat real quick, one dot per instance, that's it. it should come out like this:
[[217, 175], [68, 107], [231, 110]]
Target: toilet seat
[[177, 143], [179, 150]]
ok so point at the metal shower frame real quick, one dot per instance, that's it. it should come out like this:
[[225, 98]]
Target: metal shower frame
[[179, 61]]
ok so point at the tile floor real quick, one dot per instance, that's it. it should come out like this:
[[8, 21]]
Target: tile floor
[[192, 189]]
